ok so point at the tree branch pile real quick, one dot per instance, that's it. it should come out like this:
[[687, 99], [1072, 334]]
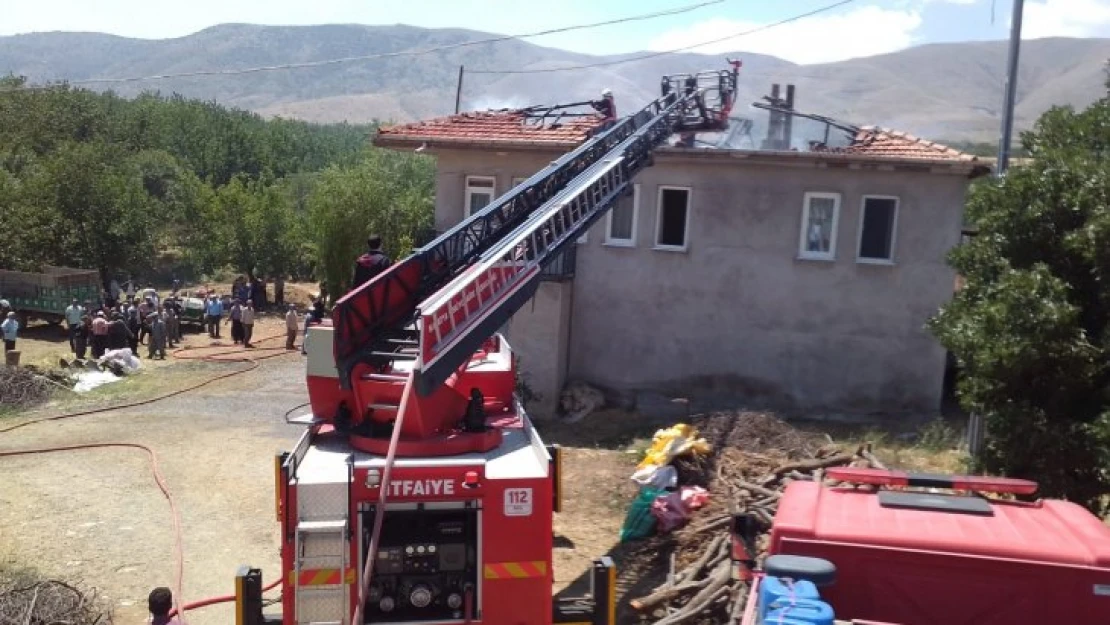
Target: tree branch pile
[[755, 457], [51, 602], [24, 387]]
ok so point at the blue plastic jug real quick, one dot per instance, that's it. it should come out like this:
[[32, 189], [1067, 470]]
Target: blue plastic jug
[[783, 621], [772, 588], [808, 611]]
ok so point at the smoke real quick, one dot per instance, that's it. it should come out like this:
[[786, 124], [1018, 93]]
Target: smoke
[[485, 103]]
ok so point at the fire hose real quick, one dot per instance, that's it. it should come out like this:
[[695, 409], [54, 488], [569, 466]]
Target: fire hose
[[159, 479]]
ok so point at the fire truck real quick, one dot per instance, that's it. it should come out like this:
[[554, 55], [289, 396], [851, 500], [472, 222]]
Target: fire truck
[[420, 491]]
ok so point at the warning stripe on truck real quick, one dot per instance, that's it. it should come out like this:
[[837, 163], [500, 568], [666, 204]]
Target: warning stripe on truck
[[321, 577], [516, 570]]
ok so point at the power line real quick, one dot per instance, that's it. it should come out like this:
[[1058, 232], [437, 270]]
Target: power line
[[402, 53], [665, 52]]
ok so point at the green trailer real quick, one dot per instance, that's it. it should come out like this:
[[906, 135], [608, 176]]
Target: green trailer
[[46, 295]]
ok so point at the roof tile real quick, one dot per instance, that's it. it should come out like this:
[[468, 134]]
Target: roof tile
[[507, 126], [883, 142]]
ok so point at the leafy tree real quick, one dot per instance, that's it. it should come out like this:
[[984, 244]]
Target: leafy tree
[[385, 193], [1030, 327]]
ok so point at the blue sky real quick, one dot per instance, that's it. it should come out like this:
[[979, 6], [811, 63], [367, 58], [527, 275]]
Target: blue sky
[[862, 28]]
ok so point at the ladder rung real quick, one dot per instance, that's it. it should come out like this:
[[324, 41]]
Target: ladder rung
[[385, 407], [404, 342]]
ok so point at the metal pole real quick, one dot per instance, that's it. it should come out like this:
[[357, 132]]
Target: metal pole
[[458, 91], [1011, 90]]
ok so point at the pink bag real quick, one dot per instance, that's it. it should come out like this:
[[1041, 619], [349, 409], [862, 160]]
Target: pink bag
[[672, 510]]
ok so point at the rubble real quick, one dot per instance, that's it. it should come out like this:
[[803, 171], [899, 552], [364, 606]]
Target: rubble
[[755, 456], [27, 386]]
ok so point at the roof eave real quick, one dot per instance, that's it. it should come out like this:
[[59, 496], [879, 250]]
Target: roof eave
[[962, 165], [433, 142]]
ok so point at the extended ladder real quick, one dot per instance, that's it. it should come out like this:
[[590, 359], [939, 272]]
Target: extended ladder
[[378, 312]]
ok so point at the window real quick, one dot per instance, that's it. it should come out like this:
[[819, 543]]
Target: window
[[479, 193], [672, 218], [820, 215], [878, 218], [620, 223]]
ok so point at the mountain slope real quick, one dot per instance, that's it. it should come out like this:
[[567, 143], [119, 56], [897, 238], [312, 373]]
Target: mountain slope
[[950, 91]]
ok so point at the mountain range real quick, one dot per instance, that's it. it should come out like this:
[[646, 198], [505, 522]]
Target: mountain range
[[947, 91]]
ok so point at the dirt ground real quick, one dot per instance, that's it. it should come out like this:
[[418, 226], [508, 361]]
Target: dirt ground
[[96, 515]]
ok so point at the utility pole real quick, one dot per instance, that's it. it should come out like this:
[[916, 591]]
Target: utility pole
[[1011, 91], [458, 91]]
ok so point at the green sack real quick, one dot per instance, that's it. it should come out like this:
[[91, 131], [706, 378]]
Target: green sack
[[640, 522]]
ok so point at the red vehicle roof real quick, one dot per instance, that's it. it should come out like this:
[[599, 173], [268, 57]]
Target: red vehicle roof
[[1048, 531]]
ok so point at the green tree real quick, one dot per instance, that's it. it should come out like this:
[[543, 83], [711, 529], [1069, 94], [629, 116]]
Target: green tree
[[1030, 328], [386, 193]]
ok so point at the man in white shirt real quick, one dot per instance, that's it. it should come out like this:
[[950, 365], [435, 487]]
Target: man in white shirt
[[74, 312]]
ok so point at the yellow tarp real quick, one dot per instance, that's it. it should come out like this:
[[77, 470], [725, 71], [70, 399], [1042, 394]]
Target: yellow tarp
[[677, 440]]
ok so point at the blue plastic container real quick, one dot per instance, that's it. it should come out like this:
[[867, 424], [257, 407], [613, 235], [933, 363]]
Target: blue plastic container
[[773, 588], [808, 611], [784, 621]]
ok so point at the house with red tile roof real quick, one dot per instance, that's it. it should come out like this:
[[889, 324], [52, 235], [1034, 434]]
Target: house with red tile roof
[[799, 277]]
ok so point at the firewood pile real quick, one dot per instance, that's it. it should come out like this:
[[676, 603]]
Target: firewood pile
[[24, 387], [50, 602], [755, 457]]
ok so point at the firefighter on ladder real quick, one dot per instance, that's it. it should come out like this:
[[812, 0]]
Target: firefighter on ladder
[[608, 109], [370, 264]]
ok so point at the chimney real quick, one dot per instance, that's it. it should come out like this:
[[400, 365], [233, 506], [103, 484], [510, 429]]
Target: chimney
[[774, 122], [788, 120]]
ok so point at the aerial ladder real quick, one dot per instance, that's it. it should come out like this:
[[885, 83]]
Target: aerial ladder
[[421, 491]]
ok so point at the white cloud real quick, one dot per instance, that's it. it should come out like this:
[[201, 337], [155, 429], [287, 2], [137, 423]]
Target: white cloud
[[1065, 18], [864, 31]]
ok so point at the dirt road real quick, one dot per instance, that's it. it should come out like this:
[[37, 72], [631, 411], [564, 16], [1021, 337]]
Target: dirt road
[[96, 515]]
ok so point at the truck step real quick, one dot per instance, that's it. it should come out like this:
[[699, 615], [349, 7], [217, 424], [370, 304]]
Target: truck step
[[389, 407]]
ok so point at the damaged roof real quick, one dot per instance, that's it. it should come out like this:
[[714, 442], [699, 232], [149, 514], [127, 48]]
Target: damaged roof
[[520, 128], [875, 141], [506, 126]]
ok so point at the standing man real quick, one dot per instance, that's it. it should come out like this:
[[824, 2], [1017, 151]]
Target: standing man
[[370, 264], [171, 323], [157, 337], [214, 310], [74, 312], [235, 317], [247, 318], [160, 603], [81, 337], [99, 335], [10, 328], [292, 324]]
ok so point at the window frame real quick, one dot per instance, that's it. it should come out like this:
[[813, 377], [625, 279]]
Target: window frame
[[611, 241], [466, 192], [803, 253], [893, 229], [659, 221]]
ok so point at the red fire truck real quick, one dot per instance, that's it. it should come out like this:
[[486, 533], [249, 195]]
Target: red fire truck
[[420, 491]]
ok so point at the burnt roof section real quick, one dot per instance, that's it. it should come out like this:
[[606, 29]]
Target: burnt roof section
[[558, 126]]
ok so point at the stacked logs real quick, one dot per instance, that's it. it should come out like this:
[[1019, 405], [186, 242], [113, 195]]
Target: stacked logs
[[699, 587]]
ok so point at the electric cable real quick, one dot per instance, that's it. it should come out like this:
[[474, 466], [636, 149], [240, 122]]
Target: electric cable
[[652, 55]]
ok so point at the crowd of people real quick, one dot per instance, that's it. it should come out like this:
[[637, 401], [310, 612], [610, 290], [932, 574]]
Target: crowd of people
[[124, 325]]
